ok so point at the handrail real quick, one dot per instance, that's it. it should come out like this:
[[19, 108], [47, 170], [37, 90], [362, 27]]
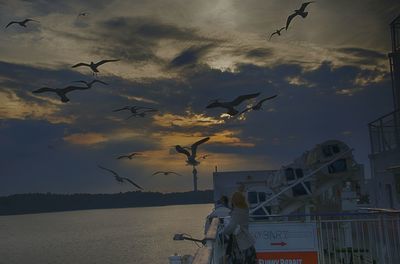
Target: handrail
[[202, 256], [382, 117], [212, 230], [299, 181], [374, 211]]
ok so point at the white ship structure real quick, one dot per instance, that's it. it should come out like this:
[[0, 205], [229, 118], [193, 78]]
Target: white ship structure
[[321, 208]]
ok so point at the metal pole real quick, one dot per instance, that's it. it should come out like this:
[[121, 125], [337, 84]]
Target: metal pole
[[194, 179]]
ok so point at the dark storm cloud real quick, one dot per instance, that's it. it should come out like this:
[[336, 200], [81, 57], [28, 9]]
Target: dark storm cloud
[[259, 53], [191, 56], [136, 38], [45, 7], [364, 56], [364, 53]]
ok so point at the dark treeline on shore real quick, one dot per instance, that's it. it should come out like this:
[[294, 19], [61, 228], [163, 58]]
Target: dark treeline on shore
[[40, 202]]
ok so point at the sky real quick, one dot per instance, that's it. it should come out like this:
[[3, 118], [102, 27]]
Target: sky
[[329, 70]]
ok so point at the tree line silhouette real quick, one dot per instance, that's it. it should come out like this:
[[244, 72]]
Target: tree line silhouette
[[49, 202]]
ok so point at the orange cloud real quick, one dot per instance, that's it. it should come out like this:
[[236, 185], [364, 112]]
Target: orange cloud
[[189, 120], [90, 138], [227, 137], [14, 107]]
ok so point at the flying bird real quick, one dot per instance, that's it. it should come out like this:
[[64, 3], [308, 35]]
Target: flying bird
[[298, 12], [135, 110], [166, 173], [230, 105], [89, 84], [278, 32], [83, 14], [129, 156], [143, 114], [61, 92], [93, 66], [191, 157], [258, 106], [21, 23], [121, 179]]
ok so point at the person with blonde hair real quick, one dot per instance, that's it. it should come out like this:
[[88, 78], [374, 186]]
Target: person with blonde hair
[[242, 245]]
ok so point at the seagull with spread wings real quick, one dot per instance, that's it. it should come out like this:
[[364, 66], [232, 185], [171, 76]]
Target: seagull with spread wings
[[121, 179], [61, 92], [135, 110], [231, 105], [144, 112], [299, 12], [191, 157], [89, 84], [277, 32], [93, 66], [129, 156], [22, 23], [83, 14], [258, 106], [166, 173]]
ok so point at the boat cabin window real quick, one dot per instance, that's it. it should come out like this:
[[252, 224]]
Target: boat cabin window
[[335, 149], [262, 197], [252, 197], [338, 166], [299, 173], [260, 211], [330, 150], [289, 173], [299, 189]]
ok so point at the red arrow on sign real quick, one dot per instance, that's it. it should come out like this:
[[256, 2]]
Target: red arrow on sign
[[279, 244]]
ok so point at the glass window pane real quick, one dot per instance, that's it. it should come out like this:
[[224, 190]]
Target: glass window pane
[[289, 174], [252, 197], [262, 197]]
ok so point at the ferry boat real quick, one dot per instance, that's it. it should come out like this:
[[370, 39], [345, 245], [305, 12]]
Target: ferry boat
[[321, 208]]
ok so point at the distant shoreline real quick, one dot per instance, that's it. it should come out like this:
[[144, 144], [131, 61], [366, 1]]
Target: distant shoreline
[[33, 203]]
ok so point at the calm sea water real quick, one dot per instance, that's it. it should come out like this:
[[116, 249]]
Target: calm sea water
[[111, 236]]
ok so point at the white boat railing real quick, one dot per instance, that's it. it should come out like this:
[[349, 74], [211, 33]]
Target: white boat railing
[[362, 238], [344, 238]]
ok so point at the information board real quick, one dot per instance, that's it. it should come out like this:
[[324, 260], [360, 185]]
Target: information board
[[285, 243]]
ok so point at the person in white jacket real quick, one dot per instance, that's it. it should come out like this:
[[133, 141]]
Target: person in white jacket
[[242, 245], [221, 210]]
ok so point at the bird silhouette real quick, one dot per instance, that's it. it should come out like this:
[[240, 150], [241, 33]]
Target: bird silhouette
[[121, 179], [230, 105], [278, 32], [166, 173], [61, 92], [21, 23], [135, 110], [89, 84], [143, 113], [298, 12], [129, 156], [191, 157], [83, 14], [258, 106], [93, 66]]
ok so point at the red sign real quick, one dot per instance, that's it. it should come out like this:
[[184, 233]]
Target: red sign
[[287, 258]]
